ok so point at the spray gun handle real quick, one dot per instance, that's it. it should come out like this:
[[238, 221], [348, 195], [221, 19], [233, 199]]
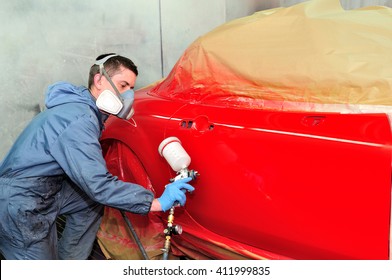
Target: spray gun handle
[[182, 174], [185, 173]]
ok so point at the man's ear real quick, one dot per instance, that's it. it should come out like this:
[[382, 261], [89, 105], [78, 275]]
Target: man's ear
[[98, 81]]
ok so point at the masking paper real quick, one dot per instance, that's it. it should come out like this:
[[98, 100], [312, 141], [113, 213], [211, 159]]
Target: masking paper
[[313, 56]]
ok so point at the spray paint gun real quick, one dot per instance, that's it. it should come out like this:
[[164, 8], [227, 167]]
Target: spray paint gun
[[179, 160]]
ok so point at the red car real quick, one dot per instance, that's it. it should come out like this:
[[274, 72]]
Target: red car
[[285, 116]]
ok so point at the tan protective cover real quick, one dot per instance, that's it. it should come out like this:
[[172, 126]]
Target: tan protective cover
[[314, 56]]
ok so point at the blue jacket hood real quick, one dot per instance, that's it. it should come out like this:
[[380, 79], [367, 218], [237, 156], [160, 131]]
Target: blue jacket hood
[[63, 92]]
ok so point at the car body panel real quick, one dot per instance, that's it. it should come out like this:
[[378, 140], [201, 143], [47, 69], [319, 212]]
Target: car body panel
[[288, 128], [295, 184]]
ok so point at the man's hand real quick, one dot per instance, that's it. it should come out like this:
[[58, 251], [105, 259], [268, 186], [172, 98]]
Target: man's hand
[[175, 192]]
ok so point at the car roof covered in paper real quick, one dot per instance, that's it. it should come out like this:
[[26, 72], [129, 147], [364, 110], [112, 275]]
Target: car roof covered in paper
[[313, 56]]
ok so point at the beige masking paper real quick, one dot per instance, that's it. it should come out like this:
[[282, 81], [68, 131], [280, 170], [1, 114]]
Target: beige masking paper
[[313, 56]]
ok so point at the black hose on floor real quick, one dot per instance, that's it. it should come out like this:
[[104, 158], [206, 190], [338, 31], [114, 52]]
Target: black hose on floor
[[135, 236]]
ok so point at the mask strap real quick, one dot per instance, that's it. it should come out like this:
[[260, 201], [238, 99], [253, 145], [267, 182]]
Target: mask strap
[[101, 61], [111, 82], [102, 71]]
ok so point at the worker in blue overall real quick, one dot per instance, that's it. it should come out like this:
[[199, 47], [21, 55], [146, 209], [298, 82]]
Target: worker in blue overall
[[56, 167]]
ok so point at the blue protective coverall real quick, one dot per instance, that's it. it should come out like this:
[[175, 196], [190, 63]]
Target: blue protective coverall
[[56, 167]]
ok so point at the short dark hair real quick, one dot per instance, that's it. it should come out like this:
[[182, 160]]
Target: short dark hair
[[112, 66]]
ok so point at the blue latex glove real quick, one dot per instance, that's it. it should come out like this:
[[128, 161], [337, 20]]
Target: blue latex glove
[[175, 192]]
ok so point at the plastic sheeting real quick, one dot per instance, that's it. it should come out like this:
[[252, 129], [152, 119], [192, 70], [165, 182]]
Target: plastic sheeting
[[313, 56]]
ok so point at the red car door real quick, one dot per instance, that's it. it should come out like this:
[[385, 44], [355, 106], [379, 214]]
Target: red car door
[[303, 185]]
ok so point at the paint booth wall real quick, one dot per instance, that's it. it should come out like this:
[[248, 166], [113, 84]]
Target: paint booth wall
[[46, 41]]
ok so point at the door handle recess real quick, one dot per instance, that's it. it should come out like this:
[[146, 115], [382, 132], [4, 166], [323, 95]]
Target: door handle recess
[[313, 120]]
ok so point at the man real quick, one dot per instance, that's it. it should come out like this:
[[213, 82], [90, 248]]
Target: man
[[56, 167]]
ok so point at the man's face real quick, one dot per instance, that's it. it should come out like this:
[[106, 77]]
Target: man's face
[[124, 80]]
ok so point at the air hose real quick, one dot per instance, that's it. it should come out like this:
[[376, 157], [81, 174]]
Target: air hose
[[135, 236]]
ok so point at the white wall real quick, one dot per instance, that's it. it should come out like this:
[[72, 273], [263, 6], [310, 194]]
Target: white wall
[[183, 21], [43, 41]]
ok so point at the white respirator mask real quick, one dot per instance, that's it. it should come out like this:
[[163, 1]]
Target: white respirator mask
[[114, 103]]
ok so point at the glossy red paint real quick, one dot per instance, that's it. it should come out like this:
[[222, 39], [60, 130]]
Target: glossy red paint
[[273, 184]]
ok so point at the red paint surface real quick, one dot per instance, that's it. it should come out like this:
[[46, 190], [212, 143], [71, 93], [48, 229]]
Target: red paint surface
[[272, 184]]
